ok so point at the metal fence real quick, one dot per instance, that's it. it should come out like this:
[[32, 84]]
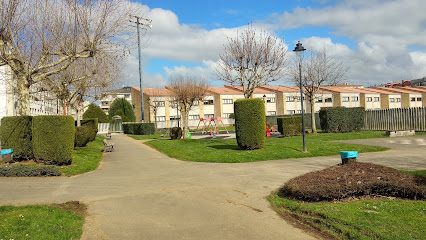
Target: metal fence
[[396, 119]]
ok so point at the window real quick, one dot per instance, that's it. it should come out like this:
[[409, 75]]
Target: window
[[194, 117], [158, 103], [271, 113], [369, 99], [160, 119], [300, 111], [195, 103], [298, 99], [208, 116], [354, 99], [419, 99], [398, 99], [174, 118], [173, 104], [391, 100], [345, 99], [270, 99], [289, 99], [290, 112], [376, 99], [227, 101], [329, 99], [208, 102], [413, 99], [318, 99], [227, 115]]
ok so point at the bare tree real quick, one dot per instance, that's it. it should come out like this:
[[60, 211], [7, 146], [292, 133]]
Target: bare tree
[[187, 91], [318, 69], [41, 38], [252, 59]]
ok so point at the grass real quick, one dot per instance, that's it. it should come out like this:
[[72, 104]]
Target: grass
[[229, 128], [85, 159], [156, 135], [360, 219], [416, 173], [39, 222], [227, 151]]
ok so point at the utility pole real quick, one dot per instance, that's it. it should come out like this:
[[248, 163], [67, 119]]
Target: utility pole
[[145, 23]]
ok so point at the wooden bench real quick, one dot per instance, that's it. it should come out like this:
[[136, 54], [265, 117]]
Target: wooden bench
[[108, 146], [108, 135]]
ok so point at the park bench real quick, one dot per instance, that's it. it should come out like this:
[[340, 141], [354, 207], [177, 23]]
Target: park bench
[[108, 135], [108, 146]]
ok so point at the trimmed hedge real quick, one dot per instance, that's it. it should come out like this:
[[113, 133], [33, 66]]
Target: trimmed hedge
[[250, 123], [290, 126], [143, 128], [175, 133], [92, 123], [29, 171], [53, 139], [16, 133], [341, 119], [128, 128], [82, 136]]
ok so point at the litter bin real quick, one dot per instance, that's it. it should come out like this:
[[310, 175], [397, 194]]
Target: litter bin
[[348, 155], [7, 155]]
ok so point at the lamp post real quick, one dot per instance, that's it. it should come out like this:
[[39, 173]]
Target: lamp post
[[264, 102], [299, 52]]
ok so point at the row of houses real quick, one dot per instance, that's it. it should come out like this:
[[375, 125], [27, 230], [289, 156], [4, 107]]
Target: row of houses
[[159, 105]]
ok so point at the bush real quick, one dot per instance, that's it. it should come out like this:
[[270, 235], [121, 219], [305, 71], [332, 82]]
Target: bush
[[128, 128], [82, 136], [93, 124], [354, 179], [290, 126], [341, 119], [94, 111], [53, 139], [175, 133], [121, 104], [29, 171], [250, 123], [143, 128], [16, 133]]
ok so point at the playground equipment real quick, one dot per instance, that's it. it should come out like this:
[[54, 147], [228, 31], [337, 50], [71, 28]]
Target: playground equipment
[[210, 125]]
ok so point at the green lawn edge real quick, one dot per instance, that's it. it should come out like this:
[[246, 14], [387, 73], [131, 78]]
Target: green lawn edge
[[85, 159], [39, 222], [227, 151], [359, 219]]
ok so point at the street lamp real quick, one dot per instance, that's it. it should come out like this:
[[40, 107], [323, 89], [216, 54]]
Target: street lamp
[[299, 49]]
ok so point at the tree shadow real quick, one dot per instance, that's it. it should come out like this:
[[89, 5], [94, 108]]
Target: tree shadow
[[222, 147]]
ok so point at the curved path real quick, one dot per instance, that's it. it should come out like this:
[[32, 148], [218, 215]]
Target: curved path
[[139, 193]]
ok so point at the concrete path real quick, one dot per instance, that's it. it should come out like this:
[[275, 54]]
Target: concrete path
[[139, 193]]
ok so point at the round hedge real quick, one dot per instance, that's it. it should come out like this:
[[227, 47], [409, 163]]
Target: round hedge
[[250, 123], [16, 133], [83, 135], [53, 139], [94, 111]]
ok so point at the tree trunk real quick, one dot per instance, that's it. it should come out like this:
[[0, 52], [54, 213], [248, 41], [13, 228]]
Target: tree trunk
[[68, 108], [78, 116], [314, 126], [24, 96]]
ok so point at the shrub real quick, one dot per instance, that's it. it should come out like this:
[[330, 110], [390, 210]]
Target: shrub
[[341, 119], [94, 111], [250, 123], [125, 107], [175, 133], [16, 133], [53, 139], [128, 128], [82, 136], [354, 179], [290, 126], [93, 124], [143, 128], [29, 171]]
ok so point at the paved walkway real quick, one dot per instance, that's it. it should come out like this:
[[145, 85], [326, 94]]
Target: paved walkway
[[139, 193]]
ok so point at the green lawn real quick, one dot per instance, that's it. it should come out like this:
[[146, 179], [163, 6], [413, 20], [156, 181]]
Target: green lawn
[[39, 222], [157, 135], [85, 159], [227, 151], [361, 219]]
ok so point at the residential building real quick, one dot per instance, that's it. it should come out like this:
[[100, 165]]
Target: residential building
[[409, 98], [110, 96]]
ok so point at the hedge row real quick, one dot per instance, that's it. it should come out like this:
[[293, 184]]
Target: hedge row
[[341, 119], [290, 126], [250, 123], [16, 133], [139, 128], [29, 171]]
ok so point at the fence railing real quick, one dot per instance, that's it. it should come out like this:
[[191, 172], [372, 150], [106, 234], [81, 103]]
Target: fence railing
[[396, 119], [103, 127]]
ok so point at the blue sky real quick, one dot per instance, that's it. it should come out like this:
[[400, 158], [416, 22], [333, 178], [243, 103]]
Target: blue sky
[[380, 40]]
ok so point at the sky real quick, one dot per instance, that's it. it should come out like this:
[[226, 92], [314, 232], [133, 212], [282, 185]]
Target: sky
[[380, 41]]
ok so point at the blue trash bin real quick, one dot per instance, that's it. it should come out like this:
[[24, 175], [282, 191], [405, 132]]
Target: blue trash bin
[[7, 155], [348, 155]]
